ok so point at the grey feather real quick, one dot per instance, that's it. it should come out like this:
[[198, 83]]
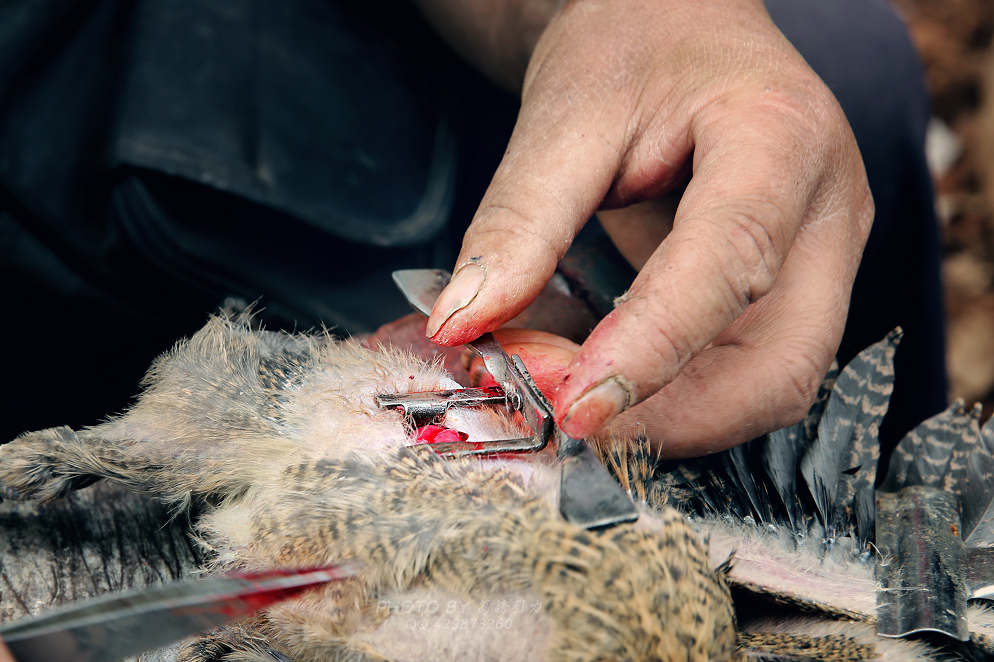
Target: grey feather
[[924, 454], [950, 451], [817, 410], [848, 432], [782, 451], [741, 468], [978, 497], [780, 454]]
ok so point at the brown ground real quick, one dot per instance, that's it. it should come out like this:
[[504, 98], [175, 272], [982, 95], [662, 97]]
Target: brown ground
[[954, 39]]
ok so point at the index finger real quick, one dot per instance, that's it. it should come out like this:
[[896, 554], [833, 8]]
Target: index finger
[[749, 195]]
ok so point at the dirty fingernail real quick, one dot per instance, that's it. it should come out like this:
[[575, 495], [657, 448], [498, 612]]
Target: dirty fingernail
[[459, 293], [596, 407]]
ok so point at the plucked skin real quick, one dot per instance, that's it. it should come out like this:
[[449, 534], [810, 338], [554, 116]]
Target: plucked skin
[[277, 440]]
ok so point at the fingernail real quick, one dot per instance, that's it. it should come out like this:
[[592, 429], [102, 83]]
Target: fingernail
[[597, 407], [459, 293]]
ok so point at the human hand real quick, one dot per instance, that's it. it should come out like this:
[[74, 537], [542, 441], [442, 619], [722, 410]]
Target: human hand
[[734, 318], [5, 655]]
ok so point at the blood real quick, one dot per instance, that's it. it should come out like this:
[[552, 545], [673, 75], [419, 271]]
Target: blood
[[246, 600], [439, 434]]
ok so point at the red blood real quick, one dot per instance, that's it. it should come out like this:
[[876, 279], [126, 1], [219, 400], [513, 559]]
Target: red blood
[[243, 600], [483, 377], [438, 434]]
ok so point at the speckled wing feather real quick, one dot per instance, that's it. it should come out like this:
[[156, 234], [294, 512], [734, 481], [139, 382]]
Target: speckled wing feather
[[835, 448], [841, 464], [923, 456], [949, 451], [978, 517], [817, 410]]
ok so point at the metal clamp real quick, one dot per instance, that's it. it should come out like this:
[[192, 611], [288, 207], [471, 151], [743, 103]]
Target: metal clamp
[[518, 393]]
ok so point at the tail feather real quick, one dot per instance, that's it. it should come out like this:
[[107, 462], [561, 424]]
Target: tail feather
[[843, 459], [950, 451], [834, 450], [780, 456]]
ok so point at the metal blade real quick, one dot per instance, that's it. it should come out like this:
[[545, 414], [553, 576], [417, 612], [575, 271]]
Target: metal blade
[[497, 361], [425, 407], [421, 287], [921, 575], [978, 572], [112, 627], [588, 495]]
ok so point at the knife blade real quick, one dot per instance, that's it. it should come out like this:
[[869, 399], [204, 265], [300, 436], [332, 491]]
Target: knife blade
[[114, 626]]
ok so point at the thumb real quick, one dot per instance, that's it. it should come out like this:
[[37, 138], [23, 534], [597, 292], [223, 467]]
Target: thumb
[[558, 167]]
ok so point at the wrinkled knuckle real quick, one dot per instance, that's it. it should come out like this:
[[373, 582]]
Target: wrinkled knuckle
[[867, 211], [668, 350], [811, 114], [506, 224], [788, 108], [671, 348], [800, 382], [757, 261], [828, 130], [825, 109], [801, 394], [666, 345]]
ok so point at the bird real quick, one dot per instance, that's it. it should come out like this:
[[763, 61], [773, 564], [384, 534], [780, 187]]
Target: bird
[[264, 449], [276, 442]]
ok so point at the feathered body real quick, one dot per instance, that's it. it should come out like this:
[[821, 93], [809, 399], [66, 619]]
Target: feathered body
[[269, 451], [278, 440]]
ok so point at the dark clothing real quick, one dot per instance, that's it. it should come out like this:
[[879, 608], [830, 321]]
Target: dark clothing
[[864, 54], [157, 158]]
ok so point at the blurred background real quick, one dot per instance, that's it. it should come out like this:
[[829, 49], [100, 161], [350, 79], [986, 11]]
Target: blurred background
[[954, 40]]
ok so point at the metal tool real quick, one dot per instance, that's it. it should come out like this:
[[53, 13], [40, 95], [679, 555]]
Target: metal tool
[[926, 573], [115, 626], [589, 496], [517, 390]]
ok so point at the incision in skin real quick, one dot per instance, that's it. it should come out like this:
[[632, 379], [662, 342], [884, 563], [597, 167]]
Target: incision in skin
[[438, 434]]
